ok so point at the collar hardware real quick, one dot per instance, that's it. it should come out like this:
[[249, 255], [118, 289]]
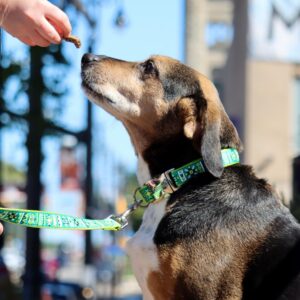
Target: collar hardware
[[171, 180]]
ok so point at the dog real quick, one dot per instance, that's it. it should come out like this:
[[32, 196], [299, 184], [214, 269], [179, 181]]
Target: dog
[[225, 233]]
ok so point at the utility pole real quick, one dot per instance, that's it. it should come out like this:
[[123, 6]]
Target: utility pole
[[1, 88], [295, 207], [88, 179], [88, 138], [32, 278]]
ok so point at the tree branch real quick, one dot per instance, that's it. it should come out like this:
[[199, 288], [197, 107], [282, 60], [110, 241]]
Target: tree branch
[[49, 126]]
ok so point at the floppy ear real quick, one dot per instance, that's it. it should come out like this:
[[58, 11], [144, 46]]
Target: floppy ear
[[207, 124], [210, 148]]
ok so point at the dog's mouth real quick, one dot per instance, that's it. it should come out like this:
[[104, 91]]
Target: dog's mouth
[[94, 94]]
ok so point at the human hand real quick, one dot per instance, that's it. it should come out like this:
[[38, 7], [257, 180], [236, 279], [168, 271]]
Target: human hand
[[34, 22], [1, 228]]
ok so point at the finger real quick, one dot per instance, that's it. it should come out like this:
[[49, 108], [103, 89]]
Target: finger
[[1, 228], [26, 40], [59, 20], [48, 32], [57, 28], [39, 40]]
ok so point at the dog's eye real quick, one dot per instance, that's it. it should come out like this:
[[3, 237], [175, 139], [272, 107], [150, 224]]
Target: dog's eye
[[149, 67]]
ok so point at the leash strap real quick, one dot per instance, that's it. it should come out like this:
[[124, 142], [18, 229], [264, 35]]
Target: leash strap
[[171, 180], [41, 219], [151, 191]]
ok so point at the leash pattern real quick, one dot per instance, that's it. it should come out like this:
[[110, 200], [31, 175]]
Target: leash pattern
[[41, 219]]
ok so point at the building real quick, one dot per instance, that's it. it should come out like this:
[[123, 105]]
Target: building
[[258, 77], [208, 34]]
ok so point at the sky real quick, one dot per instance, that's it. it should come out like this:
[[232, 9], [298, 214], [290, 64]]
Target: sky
[[152, 27], [284, 43]]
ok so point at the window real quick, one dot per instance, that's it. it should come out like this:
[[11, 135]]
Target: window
[[219, 35]]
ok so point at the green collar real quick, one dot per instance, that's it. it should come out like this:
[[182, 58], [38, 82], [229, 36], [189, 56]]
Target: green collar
[[172, 180]]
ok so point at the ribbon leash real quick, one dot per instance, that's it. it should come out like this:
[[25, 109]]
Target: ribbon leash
[[42, 219]]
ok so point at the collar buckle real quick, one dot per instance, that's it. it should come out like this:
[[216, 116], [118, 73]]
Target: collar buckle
[[168, 183], [155, 189]]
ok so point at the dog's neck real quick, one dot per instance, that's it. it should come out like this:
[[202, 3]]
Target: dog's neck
[[162, 155], [159, 151]]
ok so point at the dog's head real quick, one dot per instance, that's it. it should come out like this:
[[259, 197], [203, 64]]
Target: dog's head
[[160, 98]]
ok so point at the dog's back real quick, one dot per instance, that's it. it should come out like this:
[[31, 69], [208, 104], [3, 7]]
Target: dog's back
[[229, 238]]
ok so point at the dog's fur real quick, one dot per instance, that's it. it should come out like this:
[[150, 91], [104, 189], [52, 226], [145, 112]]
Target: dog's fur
[[224, 234]]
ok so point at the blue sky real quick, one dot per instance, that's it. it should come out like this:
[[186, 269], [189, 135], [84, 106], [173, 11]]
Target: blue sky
[[284, 44], [153, 27]]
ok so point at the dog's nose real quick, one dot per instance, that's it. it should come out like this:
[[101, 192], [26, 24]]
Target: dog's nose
[[89, 57]]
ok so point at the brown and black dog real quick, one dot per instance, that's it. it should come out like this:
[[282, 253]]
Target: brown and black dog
[[225, 233]]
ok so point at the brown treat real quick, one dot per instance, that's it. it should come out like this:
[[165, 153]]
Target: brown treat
[[73, 39]]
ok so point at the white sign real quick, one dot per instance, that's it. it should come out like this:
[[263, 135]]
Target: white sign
[[275, 30]]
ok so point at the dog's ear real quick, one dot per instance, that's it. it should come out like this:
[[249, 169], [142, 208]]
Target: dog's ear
[[210, 146], [207, 124]]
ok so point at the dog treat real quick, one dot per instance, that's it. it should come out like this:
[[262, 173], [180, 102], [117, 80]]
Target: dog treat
[[73, 39]]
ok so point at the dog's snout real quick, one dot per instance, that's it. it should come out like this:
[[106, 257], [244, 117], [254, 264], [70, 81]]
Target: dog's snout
[[89, 57]]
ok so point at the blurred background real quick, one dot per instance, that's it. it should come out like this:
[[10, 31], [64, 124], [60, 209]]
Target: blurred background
[[59, 152]]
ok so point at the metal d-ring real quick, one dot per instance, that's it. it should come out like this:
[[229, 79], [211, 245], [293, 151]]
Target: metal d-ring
[[137, 202], [123, 218]]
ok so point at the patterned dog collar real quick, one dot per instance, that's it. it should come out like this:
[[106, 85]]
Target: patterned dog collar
[[173, 179]]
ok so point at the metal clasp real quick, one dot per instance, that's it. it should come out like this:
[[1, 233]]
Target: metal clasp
[[123, 218]]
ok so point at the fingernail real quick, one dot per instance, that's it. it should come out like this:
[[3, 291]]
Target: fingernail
[[56, 40]]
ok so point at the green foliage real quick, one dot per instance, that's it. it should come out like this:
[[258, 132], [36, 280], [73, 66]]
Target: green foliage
[[128, 187], [47, 70], [128, 184], [10, 70], [136, 219], [10, 175]]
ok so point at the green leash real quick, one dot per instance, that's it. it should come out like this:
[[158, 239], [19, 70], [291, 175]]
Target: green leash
[[41, 219], [151, 191]]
